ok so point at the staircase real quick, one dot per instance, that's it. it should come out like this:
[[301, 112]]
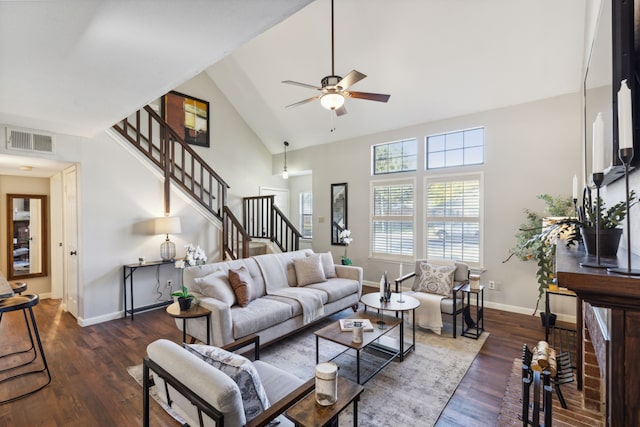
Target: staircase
[[180, 164]]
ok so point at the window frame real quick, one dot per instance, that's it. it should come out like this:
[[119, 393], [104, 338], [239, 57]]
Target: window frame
[[302, 214], [445, 150], [376, 146], [453, 177], [372, 219]]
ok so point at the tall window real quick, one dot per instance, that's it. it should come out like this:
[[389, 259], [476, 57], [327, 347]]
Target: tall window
[[306, 215], [392, 218], [460, 148], [453, 217], [399, 156]]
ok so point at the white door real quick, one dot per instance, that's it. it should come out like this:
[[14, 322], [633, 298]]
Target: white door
[[70, 221], [281, 199]]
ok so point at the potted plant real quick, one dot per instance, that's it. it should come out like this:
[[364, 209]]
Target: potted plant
[[345, 237], [536, 238], [610, 220], [184, 297]]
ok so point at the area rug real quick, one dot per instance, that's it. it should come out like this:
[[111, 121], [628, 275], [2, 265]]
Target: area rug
[[574, 416], [412, 392]]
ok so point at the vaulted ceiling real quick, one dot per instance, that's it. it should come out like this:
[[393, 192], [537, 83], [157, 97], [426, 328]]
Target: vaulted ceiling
[[78, 67]]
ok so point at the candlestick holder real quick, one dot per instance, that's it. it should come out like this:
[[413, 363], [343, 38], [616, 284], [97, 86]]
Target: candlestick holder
[[575, 207], [626, 155], [598, 178]]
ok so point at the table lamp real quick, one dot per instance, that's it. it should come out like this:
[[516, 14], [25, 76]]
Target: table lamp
[[168, 225]]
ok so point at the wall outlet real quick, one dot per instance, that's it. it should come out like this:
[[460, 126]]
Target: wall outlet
[[492, 284], [169, 282]]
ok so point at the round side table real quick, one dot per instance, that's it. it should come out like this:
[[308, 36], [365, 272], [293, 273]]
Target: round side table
[[398, 302], [194, 312], [18, 287]]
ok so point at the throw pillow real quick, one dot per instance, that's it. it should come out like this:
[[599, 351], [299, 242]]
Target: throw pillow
[[436, 279], [216, 285], [242, 285], [328, 265], [241, 371], [309, 270]]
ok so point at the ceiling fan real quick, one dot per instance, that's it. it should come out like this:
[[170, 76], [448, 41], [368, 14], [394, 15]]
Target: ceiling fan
[[335, 88]]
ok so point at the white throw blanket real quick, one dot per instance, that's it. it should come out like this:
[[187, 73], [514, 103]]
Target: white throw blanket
[[312, 307], [428, 315]]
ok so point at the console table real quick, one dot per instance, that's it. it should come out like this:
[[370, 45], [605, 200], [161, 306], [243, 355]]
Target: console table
[[621, 294], [127, 274]]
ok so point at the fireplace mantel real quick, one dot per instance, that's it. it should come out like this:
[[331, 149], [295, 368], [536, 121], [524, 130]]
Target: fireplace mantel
[[621, 294]]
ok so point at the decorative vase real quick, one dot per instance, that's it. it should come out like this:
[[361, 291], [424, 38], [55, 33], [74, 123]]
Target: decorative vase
[[609, 241], [185, 303]]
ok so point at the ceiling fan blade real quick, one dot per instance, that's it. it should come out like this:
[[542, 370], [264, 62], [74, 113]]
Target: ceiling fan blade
[[303, 102], [350, 79], [291, 82], [368, 96], [341, 111]]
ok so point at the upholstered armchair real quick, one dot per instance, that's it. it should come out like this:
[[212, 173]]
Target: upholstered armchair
[[436, 284], [196, 382]]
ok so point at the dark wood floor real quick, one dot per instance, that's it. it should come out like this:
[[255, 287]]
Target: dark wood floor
[[91, 386]]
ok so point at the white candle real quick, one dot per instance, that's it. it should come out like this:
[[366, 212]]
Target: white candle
[[382, 286], [625, 123], [400, 272], [575, 187], [598, 145]]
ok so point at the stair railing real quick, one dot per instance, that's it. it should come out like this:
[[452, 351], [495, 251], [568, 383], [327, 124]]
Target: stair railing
[[235, 240], [153, 137], [263, 219]]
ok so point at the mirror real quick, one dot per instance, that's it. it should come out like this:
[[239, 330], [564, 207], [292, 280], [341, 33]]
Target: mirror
[[27, 248], [338, 211]]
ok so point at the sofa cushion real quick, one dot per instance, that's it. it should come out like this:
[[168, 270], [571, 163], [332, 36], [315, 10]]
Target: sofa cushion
[[216, 285], [328, 266], [309, 270], [239, 369], [242, 285], [436, 279], [258, 315], [336, 288]]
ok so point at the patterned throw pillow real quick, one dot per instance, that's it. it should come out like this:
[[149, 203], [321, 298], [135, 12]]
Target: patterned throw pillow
[[241, 371], [436, 279], [242, 285], [309, 270]]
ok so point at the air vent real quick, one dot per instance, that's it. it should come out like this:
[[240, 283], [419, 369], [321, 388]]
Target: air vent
[[28, 141]]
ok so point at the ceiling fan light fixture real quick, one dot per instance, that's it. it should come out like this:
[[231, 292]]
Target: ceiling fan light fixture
[[332, 100]]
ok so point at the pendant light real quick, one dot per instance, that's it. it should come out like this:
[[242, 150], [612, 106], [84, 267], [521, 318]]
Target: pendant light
[[285, 172]]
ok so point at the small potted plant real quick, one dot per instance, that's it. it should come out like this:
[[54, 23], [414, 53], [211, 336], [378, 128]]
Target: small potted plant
[[610, 220], [345, 237], [184, 297]]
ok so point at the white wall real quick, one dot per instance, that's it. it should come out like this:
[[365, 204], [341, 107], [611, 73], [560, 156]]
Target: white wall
[[530, 149], [119, 196]]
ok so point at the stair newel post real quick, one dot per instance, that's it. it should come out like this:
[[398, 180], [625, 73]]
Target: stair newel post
[[167, 174], [272, 219]]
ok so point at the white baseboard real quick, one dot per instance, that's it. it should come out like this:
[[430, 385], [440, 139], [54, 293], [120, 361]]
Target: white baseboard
[[100, 319]]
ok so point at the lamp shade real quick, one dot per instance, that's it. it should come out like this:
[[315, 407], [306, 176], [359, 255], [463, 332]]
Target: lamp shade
[[168, 225], [332, 101]]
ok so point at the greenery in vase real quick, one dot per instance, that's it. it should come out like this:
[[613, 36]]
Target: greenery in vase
[[609, 218], [345, 237], [537, 242]]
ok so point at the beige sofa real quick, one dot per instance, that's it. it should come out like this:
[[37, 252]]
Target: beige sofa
[[279, 305]]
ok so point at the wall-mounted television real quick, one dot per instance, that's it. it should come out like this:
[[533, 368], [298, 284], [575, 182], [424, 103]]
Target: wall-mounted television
[[613, 58]]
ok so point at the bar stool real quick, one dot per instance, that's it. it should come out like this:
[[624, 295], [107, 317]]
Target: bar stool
[[18, 287], [24, 303]]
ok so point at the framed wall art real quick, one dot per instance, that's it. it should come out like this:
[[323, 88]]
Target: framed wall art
[[188, 117]]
